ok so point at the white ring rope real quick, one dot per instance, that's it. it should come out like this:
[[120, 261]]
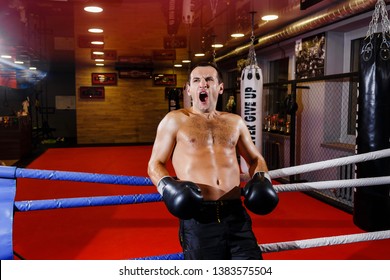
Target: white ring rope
[[335, 184], [324, 241], [328, 163]]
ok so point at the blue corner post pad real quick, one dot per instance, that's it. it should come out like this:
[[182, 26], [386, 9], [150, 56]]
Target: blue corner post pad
[[7, 202], [8, 172]]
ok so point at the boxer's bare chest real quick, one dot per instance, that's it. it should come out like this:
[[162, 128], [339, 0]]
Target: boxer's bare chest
[[199, 131]]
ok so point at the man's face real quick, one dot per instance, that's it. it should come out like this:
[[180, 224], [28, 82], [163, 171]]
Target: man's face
[[204, 88]]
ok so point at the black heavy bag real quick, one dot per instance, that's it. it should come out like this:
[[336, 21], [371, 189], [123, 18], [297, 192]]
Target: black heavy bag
[[372, 203]]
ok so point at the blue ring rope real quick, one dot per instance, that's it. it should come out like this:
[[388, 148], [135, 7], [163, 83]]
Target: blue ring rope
[[177, 256], [63, 203], [80, 177], [9, 174]]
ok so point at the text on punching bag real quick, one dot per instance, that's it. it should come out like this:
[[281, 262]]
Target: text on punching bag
[[250, 111]]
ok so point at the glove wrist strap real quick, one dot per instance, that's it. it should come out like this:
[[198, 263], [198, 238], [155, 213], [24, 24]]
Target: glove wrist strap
[[263, 173], [161, 184]]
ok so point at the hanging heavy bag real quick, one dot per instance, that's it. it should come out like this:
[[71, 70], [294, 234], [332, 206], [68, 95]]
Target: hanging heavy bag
[[372, 203], [251, 90]]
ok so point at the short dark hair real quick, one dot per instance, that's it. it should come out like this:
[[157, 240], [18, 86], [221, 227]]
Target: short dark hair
[[204, 64]]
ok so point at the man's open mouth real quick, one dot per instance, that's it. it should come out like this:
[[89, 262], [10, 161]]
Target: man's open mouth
[[203, 96]]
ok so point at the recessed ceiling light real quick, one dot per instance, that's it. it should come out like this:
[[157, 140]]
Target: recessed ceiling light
[[99, 64], [186, 61], [98, 52], [99, 59], [178, 65], [97, 43], [217, 46], [6, 56], [237, 35], [95, 30], [199, 54], [93, 9], [269, 17]]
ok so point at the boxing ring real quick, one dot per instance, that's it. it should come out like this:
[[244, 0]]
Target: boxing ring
[[8, 205]]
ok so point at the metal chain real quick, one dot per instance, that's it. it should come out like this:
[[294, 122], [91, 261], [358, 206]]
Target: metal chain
[[252, 60], [373, 26], [385, 19], [368, 48], [380, 10]]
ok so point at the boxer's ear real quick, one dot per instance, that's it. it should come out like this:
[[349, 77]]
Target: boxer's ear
[[221, 86], [187, 88]]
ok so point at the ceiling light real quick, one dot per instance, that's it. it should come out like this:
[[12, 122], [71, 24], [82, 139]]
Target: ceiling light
[[237, 35], [99, 64], [178, 65], [269, 17], [99, 59], [98, 52], [18, 62], [93, 9], [97, 43], [186, 61], [6, 56], [199, 54], [217, 46], [32, 68], [95, 30]]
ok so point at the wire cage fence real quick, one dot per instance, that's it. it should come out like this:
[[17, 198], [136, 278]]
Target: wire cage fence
[[309, 121]]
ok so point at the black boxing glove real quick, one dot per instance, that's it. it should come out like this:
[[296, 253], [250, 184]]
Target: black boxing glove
[[260, 196], [182, 198]]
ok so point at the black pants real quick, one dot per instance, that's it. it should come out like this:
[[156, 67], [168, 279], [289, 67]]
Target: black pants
[[222, 231]]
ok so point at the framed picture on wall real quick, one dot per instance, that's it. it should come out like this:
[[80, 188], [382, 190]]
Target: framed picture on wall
[[91, 93], [135, 74], [310, 57], [107, 79], [164, 54], [164, 79]]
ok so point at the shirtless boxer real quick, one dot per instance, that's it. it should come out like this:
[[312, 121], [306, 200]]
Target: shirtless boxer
[[206, 195]]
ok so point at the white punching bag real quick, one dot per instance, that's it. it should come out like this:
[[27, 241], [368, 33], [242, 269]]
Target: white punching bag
[[251, 90]]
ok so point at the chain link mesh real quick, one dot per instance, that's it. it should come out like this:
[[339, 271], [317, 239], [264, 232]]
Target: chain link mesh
[[325, 129]]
